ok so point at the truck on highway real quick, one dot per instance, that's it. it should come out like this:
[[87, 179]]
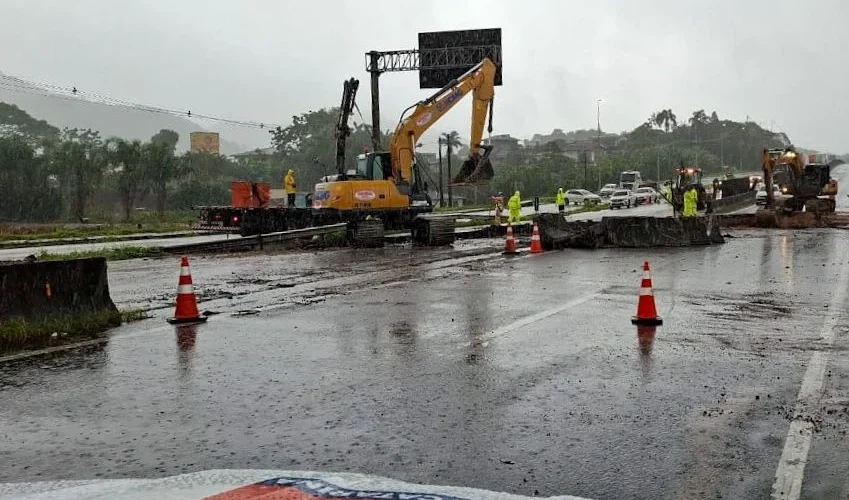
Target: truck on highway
[[254, 209], [630, 180]]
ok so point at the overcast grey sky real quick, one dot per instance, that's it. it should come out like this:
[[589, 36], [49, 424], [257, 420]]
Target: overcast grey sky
[[784, 63]]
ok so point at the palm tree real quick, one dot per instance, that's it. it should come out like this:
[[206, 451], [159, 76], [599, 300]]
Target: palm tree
[[452, 140], [127, 160], [670, 120]]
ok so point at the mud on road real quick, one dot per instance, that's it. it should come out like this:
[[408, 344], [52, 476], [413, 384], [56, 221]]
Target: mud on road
[[255, 281]]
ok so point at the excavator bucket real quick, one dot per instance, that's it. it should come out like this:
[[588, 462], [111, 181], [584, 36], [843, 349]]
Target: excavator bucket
[[476, 169]]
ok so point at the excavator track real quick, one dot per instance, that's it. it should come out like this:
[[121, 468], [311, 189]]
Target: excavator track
[[366, 233], [820, 205], [432, 231]]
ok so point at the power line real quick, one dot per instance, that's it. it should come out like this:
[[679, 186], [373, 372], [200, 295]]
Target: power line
[[72, 93]]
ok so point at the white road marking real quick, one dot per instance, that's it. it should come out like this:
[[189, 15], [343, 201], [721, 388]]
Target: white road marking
[[527, 320], [794, 457]]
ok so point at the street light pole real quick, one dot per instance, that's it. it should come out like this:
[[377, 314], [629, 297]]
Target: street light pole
[[449, 147], [598, 139], [441, 197], [598, 124], [722, 146]]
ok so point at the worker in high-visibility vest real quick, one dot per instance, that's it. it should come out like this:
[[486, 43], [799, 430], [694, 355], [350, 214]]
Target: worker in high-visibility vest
[[560, 200], [514, 205], [289, 186], [691, 199]]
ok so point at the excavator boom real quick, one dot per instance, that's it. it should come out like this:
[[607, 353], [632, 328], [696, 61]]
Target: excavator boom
[[480, 82], [349, 94]]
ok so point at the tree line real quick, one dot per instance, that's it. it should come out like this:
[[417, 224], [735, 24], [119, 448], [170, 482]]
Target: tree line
[[52, 174], [655, 148], [48, 174]]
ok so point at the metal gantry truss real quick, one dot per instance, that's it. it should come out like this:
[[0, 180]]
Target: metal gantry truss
[[430, 59], [445, 60]]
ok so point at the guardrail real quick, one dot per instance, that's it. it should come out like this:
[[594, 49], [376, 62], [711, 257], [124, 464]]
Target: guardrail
[[251, 242], [731, 203]]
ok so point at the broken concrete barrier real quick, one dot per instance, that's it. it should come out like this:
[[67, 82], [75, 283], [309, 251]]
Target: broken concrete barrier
[[628, 232]]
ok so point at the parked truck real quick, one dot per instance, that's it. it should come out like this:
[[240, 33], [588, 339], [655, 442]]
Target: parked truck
[[254, 209], [630, 180]]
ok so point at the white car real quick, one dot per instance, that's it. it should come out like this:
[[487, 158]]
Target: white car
[[646, 195], [608, 190], [623, 199], [760, 198], [581, 196]]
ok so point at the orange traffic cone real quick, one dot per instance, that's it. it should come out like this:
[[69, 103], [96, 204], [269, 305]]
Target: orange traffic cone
[[510, 242], [646, 310], [187, 306], [536, 244]]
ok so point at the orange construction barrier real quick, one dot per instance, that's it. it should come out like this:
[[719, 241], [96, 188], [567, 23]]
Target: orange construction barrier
[[510, 242], [186, 310], [536, 244], [646, 310]]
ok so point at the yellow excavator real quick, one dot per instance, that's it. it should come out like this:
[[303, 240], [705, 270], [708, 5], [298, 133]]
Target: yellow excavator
[[809, 187], [388, 185]]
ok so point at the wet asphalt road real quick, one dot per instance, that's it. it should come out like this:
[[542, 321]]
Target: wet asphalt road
[[459, 367]]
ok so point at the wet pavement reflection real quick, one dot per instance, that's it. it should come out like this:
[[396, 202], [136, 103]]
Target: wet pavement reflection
[[476, 373]]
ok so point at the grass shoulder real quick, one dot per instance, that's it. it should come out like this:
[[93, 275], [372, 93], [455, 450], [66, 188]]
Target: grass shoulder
[[18, 334], [118, 253]]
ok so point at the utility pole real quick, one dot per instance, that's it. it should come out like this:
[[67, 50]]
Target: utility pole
[[375, 99], [598, 136], [598, 122], [439, 147], [658, 164], [450, 191], [585, 168]]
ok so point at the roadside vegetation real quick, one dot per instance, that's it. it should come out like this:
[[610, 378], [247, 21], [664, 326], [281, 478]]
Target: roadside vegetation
[[119, 253], [17, 334], [18, 232], [77, 176]]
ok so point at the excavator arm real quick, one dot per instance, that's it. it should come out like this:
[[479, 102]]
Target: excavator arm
[[480, 82], [349, 94]]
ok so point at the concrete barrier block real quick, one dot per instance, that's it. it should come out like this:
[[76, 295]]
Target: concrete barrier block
[[38, 290], [628, 232]]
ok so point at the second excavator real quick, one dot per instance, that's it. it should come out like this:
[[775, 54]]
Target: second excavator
[[802, 187]]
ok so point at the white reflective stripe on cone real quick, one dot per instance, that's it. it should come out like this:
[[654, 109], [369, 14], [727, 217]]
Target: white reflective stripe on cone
[[181, 289], [645, 291], [184, 271], [646, 275]]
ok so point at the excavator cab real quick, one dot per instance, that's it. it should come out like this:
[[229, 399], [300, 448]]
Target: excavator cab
[[374, 166], [684, 178]]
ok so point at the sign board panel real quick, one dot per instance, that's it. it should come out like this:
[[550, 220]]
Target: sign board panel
[[446, 55], [204, 142]]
